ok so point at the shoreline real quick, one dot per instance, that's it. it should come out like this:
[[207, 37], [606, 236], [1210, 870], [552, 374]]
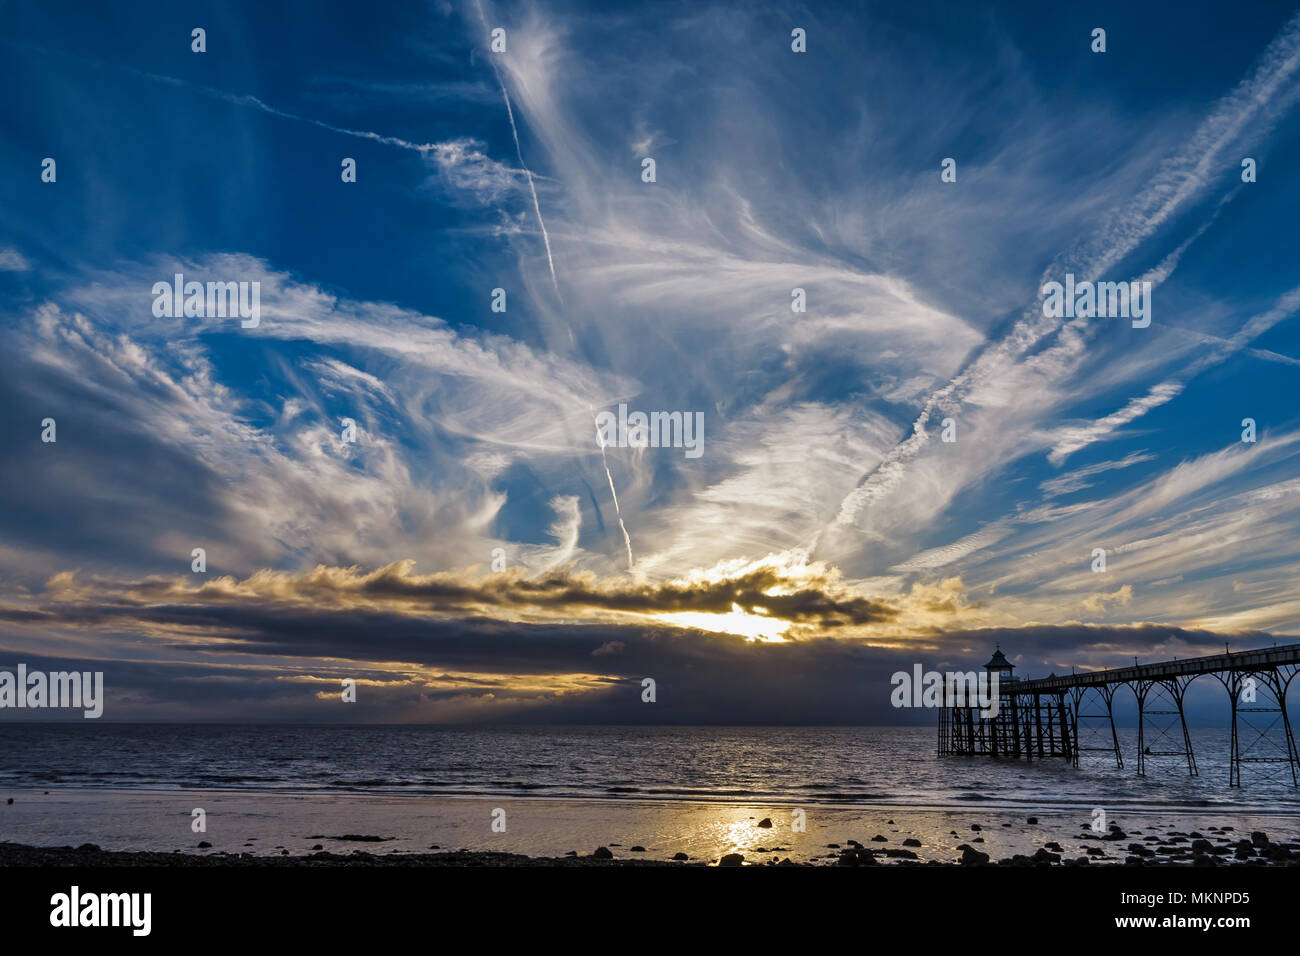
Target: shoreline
[[17, 855], [161, 828], [973, 805]]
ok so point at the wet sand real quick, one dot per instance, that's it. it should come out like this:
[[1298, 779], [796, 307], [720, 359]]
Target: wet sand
[[244, 828]]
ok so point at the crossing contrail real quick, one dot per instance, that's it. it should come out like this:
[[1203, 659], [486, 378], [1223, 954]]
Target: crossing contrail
[[253, 102], [514, 130], [550, 261], [627, 540]]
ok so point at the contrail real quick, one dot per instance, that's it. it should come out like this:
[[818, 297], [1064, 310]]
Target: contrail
[[1182, 177], [237, 99], [550, 261], [537, 207], [396, 141], [627, 540]]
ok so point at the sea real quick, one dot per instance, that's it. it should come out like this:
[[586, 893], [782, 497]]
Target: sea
[[845, 766]]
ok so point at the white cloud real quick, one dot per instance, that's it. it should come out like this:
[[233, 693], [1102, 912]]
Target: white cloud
[[11, 260]]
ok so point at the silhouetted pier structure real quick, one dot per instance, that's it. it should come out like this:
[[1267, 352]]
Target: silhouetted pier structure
[[1042, 718]]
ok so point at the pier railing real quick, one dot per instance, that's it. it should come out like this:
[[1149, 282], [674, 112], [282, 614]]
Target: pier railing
[[1043, 717]]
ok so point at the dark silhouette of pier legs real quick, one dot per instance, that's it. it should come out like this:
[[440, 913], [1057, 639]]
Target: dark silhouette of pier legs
[[1151, 694], [1042, 717], [1106, 693], [1038, 723], [1015, 725], [1069, 732], [1253, 694]]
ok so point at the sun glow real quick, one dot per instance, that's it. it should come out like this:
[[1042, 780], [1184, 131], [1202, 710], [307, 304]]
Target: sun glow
[[753, 627]]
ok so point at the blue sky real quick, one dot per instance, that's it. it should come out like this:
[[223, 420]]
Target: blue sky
[[824, 509]]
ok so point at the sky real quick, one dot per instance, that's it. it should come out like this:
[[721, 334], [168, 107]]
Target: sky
[[483, 551]]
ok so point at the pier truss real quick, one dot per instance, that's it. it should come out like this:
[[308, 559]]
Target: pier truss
[[1061, 717]]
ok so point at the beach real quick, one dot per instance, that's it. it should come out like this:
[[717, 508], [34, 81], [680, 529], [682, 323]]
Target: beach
[[144, 827]]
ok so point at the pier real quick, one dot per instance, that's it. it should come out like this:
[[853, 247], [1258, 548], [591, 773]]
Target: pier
[[1060, 717]]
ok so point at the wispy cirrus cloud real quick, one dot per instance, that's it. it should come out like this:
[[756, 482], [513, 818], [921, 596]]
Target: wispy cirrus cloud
[[883, 471]]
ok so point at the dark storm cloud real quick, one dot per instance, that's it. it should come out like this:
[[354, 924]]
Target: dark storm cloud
[[290, 660], [815, 599]]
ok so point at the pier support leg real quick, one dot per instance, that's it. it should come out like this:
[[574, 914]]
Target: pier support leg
[[1114, 737], [1290, 742], [1068, 750], [1170, 738], [1027, 731], [1254, 694], [1234, 752], [1015, 725], [1038, 722], [1187, 738], [1107, 694]]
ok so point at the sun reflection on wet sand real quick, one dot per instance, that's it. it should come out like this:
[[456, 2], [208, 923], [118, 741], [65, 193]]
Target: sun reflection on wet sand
[[551, 828]]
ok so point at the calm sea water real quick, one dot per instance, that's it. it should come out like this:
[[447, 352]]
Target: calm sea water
[[833, 765]]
